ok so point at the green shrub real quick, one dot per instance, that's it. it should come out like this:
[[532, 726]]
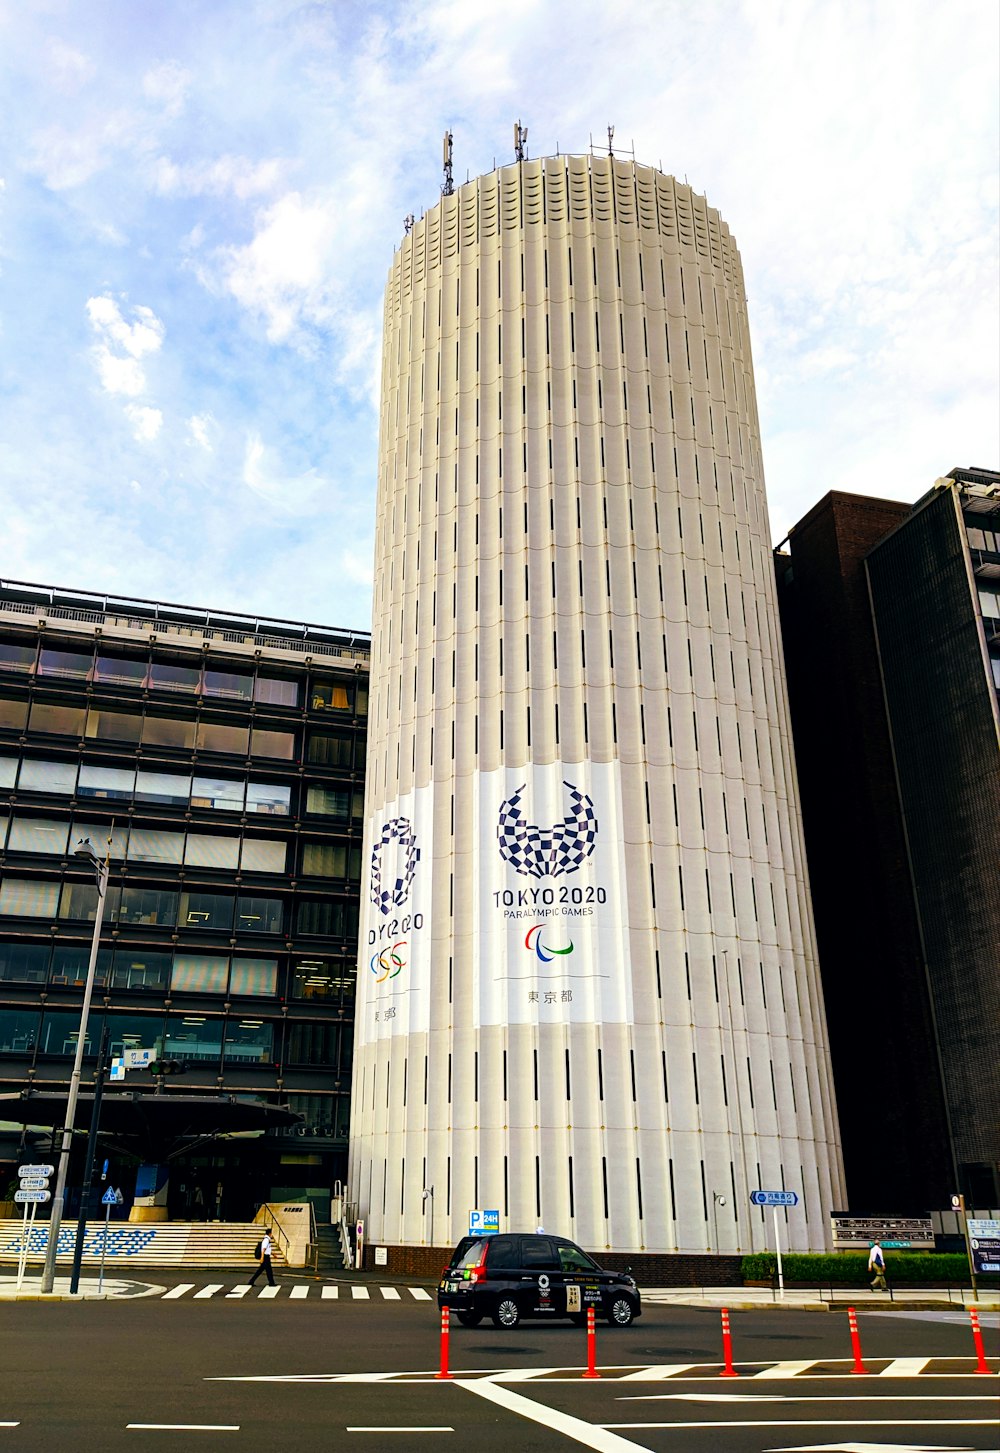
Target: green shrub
[[847, 1268]]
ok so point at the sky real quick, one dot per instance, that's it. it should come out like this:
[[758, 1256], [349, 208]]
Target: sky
[[200, 201]]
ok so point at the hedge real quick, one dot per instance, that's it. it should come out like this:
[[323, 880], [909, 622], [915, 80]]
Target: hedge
[[902, 1268]]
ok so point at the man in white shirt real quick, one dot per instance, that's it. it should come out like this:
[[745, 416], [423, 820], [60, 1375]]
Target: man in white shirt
[[265, 1260], [876, 1264]]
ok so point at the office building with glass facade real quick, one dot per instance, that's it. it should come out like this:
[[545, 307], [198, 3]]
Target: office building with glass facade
[[220, 760]]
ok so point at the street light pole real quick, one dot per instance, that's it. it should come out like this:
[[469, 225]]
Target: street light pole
[[85, 850], [429, 1196]]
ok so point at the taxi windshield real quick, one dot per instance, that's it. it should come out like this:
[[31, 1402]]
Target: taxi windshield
[[571, 1258], [472, 1256]]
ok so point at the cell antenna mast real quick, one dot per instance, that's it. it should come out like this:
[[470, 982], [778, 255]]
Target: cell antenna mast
[[409, 222], [520, 141], [448, 185], [611, 140]]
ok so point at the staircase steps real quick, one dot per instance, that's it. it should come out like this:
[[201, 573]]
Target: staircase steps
[[158, 1243]]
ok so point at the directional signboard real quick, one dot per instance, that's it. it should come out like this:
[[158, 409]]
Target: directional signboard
[[984, 1242], [34, 1183], [774, 1198], [899, 1232], [36, 1170], [25, 1198], [139, 1059]]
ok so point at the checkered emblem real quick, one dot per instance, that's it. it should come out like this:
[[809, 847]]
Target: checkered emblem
[[396, 830], [547, 852]]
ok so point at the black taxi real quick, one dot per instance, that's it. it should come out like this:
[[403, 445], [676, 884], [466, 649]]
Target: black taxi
[[507, 1277]]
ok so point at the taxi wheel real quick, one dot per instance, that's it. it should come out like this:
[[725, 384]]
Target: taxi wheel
[[621, 1313], [507, 1313], [470, 1319]]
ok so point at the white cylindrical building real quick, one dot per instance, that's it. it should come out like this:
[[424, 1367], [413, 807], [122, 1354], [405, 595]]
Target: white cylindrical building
[[588, 994]]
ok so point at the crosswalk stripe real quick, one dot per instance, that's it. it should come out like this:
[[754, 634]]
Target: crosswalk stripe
[[419, 1295], [299, 1292], [330, 1294], [786, 1369], [269, 1292], [240, 1290], [905, 1367], [210, 1290], [657, 1374], [390, 1294], [360, 1294], [177, 1291]]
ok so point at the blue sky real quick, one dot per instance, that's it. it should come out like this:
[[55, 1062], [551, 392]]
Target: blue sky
[[199, 202]]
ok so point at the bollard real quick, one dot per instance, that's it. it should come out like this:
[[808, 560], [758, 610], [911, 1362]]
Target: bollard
[[727, 1346], [855, 1342], [977, 1337], [591, 1345], [445, 1334]]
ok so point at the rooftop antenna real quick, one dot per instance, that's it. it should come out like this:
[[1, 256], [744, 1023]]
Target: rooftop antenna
[[520, 141], [611, 139], [409, 222], [448, 185]]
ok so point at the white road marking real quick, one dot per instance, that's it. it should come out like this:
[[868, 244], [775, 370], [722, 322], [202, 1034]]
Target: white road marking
[[853, 1447], [210, 1290], [298, 1293], [419, 1295], [360, 1294], [525, 1374], [781, 1397], [820, 1423], [329, 1294], [654, 1374], [10, 1425], [785, 1369], [239, 1291], [590, 1435], [390, 1294], [905, 1367], [177, 1291], [266, 1292], [183, 1427], [400, 1430]]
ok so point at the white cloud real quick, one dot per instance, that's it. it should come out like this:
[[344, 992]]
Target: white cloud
[[291, 493], [146, 422], [167, 85], [201, 427], [144, 335], [236, 175], [119, 375]]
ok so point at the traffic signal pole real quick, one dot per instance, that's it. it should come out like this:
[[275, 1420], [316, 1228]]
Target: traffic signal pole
[[88, 1174]]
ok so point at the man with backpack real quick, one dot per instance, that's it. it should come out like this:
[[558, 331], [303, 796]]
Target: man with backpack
[[263, 1251], [876, 1264]]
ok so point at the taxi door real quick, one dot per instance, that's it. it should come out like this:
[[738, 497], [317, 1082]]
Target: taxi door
[[544, 1291]]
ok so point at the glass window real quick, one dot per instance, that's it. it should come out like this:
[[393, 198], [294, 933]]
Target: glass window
[[326, 917], [199, 974], [362, 703], [193, 1037], [64, 721], [18, 1031], [316, 979], [989, 604], [269, 797], [13, 714], [217, 737], [163, 676], [134, 968], [61, 1030], [4, 823], [217, 793], [8, 771], [229, 684], [112, 784], [263, 855], [249, 1041], [571, 1258], [977, 539], [328, 801], [120, 671], [259, 915], [273, 691], [97, 833], [168, 731], [47, 777], [67, 664], [324, 860], [329, 751], [149, 907], [329, 696], [152, 845], [24, 963], [212, 852], [15, 657], [253, 976], [538, 1252], [36, 835], [113, 726], [134, 1031], [206, 910], [70, 961], [272, 744], [312, 1044], [79, 900], [162, 787]]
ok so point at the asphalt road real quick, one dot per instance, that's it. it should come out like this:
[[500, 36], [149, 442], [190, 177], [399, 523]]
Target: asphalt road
[[89, 1376]]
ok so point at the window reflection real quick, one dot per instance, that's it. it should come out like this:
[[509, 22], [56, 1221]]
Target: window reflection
[[24, 963], [328, 801], [272, 691], [164, 676], [206, 910], [329, 696], [148, 907], [193, 1037], [162, 787], [249, 1041], [168, 731], [65, 664], [217, 793], [134, 968], [110, 783], [120, 671], [18, 1031], [65, 721], [13, 714], [327, 750], [47, 777], [14, 657], [253, 976], [272, 744], [270, 798], [228, 684], [113, 726], [259, 915], [217, 737]]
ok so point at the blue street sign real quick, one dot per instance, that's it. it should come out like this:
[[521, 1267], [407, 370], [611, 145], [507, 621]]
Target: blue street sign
[[110, 1197], [104, 1172], [774, 1198]]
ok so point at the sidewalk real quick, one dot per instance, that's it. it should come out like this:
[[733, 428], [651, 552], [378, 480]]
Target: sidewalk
[[114, 1287], [822, 1299]]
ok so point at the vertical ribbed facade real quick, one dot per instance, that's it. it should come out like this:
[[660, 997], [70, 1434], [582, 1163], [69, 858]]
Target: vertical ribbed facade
[[588, 994]]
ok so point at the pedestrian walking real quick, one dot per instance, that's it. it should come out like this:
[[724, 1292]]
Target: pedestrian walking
[[264, 1252], [876, 1264]]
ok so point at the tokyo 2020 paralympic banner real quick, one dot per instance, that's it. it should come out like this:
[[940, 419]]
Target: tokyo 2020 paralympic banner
[[540, 918]]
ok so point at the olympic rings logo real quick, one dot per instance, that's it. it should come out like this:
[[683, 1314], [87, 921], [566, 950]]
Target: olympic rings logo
[[387, 964]]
